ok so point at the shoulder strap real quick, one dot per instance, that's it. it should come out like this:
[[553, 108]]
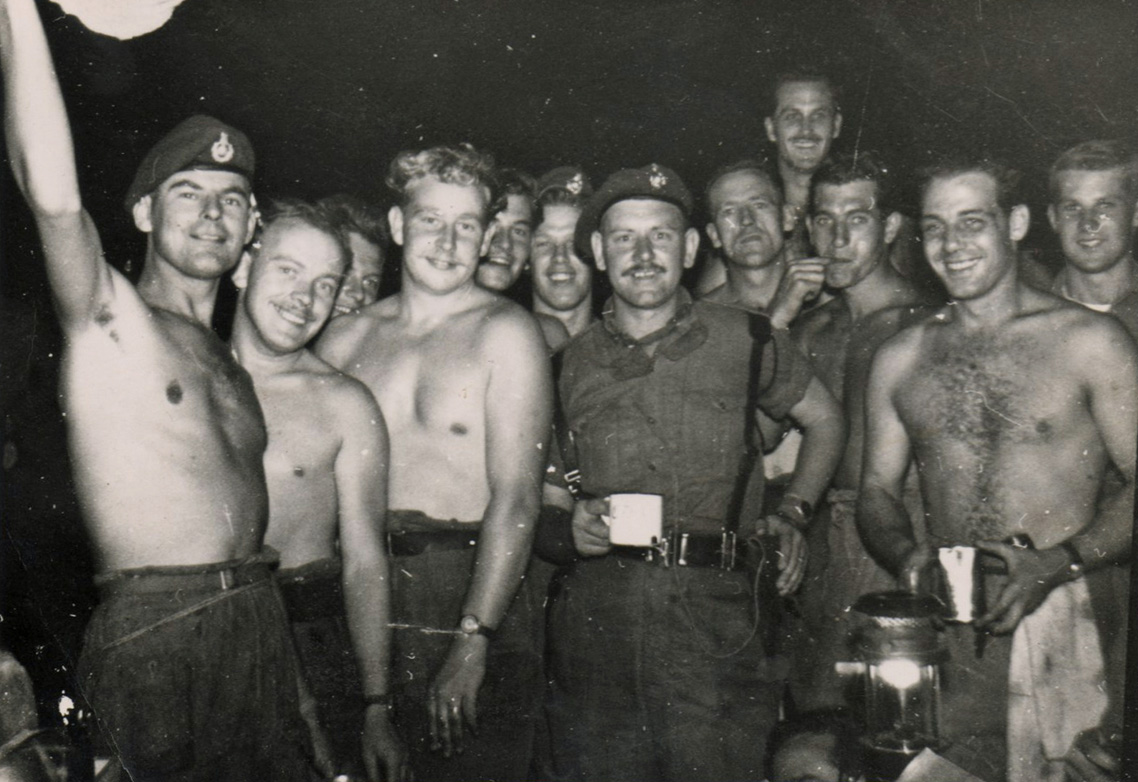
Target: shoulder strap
[[566, 443], [759, 327]]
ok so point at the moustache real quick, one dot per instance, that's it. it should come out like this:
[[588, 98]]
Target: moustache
[[640, 268]]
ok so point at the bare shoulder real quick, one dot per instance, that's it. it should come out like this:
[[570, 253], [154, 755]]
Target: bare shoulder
[[900, 315], [506, 325], [814, 321], [344, 335], [905, 349], [554, 331]]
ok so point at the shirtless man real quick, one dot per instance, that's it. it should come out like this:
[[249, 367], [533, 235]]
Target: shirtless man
[[464, 384], [1094, 211], [1013, 403], [326, 468], [187, 662], [562, 282], [852, 226], [369, 240]]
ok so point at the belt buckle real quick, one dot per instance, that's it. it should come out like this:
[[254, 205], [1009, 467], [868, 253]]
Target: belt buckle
[[228, 578], [727, 551], [661, 550], [682, 553]]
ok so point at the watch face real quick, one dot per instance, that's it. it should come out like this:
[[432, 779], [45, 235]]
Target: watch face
[[469, 624]]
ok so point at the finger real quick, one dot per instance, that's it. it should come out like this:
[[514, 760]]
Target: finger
[[1100, 754], [596, 505], [454, 726], [470, 712], [997, 609], [433, 718]]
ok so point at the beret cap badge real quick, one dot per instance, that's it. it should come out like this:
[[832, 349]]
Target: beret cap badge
[[657, 178], [222, 149]]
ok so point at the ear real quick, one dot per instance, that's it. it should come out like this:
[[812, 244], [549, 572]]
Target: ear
[[768, 123], [598, 246], [253, 221], [837, 123], [1019, 220], [395, 221], [691, 247], [241, 273], [1053, 217], [141, 214], [488, 235], [788, 218], [892, 226], [713, 235]]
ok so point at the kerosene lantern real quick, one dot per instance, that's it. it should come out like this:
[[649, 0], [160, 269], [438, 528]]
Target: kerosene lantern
[[899, 651]]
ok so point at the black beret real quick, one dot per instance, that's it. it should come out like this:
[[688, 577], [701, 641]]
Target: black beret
[[571, 179], [199, 142], [652, 181]]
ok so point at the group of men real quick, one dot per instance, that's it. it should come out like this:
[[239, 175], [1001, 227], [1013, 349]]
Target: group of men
[[317, 545]]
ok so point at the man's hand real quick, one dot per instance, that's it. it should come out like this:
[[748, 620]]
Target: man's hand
[[382, 748], [792, 551], [1093, 758], [590, 533], [801, 283], [453, 697], [1032, 574]]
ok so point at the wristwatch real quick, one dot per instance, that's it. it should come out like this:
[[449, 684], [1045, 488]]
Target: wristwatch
[[472, 625], [1076, 567]]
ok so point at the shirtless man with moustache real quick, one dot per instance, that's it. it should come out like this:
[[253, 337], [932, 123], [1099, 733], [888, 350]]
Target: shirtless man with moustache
[[326, 468], [1014, 404], [463, 380], [187, 662], [852, 226]]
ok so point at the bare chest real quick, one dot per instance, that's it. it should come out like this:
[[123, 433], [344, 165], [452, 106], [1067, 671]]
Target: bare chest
[[303, 438]]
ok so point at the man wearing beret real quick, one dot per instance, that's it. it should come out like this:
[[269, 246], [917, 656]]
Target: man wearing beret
[[659, 665], [187, 661], [562, 282]]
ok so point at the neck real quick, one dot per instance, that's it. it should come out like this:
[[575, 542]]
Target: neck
[[254, 355], [754, 288], [795, 184], [1002, 303], [574, 320], [639, 323], [883, 287], [424, 307], [174, 291], [1105, 287]]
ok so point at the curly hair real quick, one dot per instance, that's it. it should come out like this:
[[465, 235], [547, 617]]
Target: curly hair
[[356, 215], [1007, 179], [864, 166], [460, 165]]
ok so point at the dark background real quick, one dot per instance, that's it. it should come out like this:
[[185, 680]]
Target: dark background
[[329, 90]]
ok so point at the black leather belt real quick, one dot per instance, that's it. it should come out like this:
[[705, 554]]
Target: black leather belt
[[409, 543], [686, 549]]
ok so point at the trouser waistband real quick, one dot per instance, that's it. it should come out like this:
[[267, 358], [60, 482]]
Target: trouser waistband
[[217, 576], [686, 549]]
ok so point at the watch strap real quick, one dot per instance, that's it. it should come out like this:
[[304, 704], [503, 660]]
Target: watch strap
[[1076, 567]]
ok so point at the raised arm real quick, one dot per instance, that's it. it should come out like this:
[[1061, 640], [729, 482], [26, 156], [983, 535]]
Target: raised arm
[[882, 520], [361, 491], [43, 161], [519, 397]]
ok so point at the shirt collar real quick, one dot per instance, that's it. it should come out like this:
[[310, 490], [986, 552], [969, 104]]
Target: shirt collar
[[628, 358]]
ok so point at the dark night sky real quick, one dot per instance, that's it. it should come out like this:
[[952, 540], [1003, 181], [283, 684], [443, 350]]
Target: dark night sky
[[330, 90]]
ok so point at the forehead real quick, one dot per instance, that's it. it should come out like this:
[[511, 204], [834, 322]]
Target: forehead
[[1079, 184], [848, 196], [968, 191], [298, 241], [559, 218], [638, 211], [742, 186], [804, 96], [209, 179], [429, 192], [366, 256], [518, 209]]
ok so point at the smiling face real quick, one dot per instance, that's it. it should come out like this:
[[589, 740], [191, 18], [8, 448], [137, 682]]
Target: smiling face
[[804, 124], [644, 245], [560, 278], [747, 218], [969, 239], [510, 234], [198, 221], [1094, 215], [848, 229], [442, 231], [290, 283], [361, 284]]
